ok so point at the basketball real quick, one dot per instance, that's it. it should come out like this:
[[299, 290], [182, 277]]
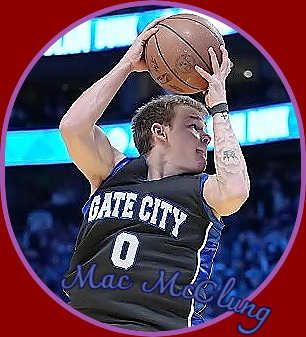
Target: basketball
[[182, 42]]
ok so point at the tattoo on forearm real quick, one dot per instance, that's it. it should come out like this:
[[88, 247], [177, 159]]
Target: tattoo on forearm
[[229, 160], [224, 115], [229, 154]]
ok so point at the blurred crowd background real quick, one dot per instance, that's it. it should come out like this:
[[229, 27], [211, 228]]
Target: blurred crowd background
[[45, 201]]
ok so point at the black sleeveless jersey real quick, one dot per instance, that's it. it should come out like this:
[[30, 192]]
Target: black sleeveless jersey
[[143, 249]]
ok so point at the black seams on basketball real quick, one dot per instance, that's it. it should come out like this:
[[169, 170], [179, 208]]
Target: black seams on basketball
[[182, 42]]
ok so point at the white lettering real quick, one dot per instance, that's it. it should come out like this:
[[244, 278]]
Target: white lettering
[[118, 196], [147, 201], [179, 218], [129, 204], [151, 210], [106, 206], [155, 211], [167, 209], [94, 207]]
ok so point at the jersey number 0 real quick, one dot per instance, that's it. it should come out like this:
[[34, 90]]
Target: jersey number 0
[[124, 250]]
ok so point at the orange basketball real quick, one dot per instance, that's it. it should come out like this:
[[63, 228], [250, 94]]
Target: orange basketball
[[182, 42]]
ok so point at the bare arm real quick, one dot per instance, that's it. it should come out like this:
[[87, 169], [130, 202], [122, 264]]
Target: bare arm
[[228, 189], [87, 145]]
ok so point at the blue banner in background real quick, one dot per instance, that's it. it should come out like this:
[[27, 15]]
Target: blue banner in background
[[94, 35], [252, 126]]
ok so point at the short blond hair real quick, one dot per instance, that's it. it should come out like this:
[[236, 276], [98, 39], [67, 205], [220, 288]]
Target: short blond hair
[[158, 110]]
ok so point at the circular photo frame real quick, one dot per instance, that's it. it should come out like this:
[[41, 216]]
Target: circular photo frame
[[43, 192]]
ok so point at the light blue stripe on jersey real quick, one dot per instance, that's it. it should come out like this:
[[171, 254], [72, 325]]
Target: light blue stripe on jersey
[[207, 256]]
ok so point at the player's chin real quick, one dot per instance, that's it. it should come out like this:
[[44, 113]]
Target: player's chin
[[202, 168], [199, 166]]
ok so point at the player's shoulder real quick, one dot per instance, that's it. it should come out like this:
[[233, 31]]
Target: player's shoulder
[[192, 184], [127, 170]]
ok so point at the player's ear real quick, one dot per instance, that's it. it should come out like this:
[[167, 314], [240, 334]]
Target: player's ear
[[158, 131]]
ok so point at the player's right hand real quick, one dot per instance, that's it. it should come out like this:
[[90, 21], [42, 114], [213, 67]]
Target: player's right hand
[[135, 55], [216, 92]]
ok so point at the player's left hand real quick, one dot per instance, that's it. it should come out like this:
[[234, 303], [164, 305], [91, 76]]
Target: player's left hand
[[216, 92]]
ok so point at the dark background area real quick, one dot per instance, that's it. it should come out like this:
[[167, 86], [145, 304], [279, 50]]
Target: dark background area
[[44, 202]]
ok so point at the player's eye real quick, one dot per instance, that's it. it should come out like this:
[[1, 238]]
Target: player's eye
[[194, 126]]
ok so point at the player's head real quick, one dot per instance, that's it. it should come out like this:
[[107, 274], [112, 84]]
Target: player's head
[[174, 124]]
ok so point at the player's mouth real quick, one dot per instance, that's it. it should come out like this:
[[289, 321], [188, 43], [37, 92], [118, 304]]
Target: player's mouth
[[202, 153]]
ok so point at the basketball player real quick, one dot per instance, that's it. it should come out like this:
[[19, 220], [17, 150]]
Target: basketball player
[[151, 222]]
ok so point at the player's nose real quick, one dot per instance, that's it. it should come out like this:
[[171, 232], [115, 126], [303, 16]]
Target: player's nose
[[205, 138]]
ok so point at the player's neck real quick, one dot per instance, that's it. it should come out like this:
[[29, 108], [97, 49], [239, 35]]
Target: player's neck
[[160, 166]]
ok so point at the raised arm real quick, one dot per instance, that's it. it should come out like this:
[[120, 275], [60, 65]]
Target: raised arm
[[87, 145], [227, 190]]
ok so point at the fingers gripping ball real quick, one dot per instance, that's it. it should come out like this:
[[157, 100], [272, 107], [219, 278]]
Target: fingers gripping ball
[[181, 42]]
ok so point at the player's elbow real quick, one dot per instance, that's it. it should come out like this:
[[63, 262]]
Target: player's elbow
[[63, 126], [230, 206], [66, 129], [241, 192], [66, 124], [70, 128], [233, 200]]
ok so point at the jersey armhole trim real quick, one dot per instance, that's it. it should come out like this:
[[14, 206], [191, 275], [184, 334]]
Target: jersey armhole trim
[[219, 224], [113, 172]]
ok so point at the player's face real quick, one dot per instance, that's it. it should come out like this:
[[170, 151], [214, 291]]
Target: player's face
[[188, 140]]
